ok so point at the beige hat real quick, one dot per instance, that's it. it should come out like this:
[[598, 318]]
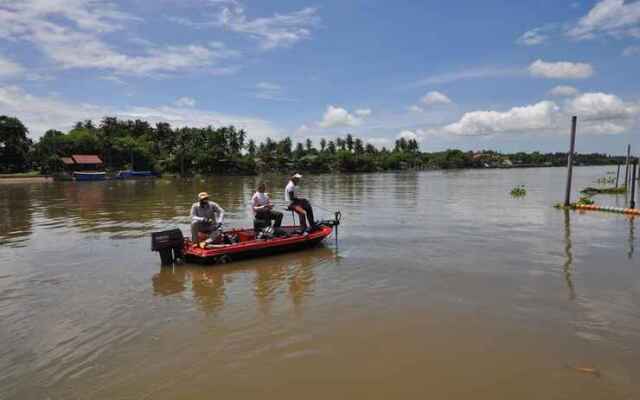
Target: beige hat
[[203, 195], [297, 176]]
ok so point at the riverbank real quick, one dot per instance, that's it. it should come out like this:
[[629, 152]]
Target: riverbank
[[28, 177]]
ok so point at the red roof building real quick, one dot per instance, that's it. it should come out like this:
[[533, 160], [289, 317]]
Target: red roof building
[[67, 160], [86, 159]]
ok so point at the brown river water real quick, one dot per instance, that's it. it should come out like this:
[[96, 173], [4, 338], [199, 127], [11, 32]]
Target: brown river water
[[441, 286]]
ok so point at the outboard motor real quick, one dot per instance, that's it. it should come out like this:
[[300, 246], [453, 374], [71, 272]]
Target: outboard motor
[[169, 244]]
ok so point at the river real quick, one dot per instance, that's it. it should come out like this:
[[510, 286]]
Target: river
[[441, 285]]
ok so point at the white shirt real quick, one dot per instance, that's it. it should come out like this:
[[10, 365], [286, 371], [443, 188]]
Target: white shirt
[[259, 200], [291, 188], [210, 210]]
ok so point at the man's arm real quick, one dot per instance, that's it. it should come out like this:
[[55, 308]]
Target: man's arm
[[194, 216], [220, 212], [292, 195], [254, 203]]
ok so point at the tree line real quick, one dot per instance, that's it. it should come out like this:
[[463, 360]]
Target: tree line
[[138, 145]]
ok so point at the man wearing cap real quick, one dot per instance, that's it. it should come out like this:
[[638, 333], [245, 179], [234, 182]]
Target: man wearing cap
[[206, 216], [301, 206]]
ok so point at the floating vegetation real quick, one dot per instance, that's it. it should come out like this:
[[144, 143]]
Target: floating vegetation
[[518, 191], [584, 201], [611, 190], [606, 180]]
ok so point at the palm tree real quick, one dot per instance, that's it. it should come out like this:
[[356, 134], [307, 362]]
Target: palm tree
[[349, 142], [358, 146]]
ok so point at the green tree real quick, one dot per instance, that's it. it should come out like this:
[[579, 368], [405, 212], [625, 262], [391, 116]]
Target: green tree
[[251, 148], [331, 147], [349, 142], [14, 145]]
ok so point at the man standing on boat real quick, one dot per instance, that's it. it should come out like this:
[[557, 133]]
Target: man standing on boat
[[301, 206], [263, 208], [206, 216]]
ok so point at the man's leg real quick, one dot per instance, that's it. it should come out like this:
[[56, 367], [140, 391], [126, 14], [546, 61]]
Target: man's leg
[[309, 210], [195, 229], [302, 215], [277, 218]]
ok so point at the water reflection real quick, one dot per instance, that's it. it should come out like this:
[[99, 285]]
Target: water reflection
[[631, 237], [568, 264], [271, 275], [16, 214]]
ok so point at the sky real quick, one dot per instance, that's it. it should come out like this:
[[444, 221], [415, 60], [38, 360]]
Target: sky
[[501, 75]]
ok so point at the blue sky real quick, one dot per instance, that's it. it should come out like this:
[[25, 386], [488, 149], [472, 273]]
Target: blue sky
[[465, 74]]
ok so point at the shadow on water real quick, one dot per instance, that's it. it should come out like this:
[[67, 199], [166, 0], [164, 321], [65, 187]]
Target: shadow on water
[[291, 273]]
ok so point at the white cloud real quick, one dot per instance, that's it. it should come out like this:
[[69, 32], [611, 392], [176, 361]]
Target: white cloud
[[113, 78], [612, 17], [533, 37], [270, 91], [408, 135], [185, 102], [560, 70], [471, 73], [337, 116], [268, 86], [42, 113], [9, 68], [415, 108], [601, 106], [563, 91], [434, 97], [528, 118], [78, 43], [280, 30], [303, 129], [631, 51], [379, 142], [363, 112], [598, 113]]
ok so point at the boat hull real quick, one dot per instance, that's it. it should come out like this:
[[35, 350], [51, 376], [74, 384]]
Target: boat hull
[[135, 175], [254, 248], [89, 176]]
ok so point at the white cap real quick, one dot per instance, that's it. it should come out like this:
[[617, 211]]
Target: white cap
[[298, 176]]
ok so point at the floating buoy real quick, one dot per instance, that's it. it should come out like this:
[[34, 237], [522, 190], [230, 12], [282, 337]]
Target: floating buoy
[[594, 207]]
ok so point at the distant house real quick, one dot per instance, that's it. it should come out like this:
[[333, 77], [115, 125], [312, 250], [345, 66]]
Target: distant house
[[82, 162]]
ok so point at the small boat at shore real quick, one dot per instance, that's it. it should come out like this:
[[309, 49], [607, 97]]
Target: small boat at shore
[[129, 174], [89, 176], [239, 243]]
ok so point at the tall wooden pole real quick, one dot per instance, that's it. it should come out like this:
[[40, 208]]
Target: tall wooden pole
[[567, 196], [632, 203], [618, 175], [626, 170]]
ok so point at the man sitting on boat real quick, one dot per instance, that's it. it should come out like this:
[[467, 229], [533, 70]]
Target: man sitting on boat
[[301, 206], [207, 217], [263, 208]]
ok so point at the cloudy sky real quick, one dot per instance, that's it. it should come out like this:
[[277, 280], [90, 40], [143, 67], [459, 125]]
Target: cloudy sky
[[465, 74]]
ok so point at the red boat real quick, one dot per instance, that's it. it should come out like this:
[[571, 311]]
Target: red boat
[[238, 243]]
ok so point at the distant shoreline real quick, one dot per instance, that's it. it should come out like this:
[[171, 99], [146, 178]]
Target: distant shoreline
[[6, 179]]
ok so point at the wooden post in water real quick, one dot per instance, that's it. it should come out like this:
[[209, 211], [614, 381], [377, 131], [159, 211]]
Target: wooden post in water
[[618, 175], [572, 146], [626, 170], [632, 203]]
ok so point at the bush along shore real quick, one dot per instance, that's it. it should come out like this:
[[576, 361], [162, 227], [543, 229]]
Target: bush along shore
[[138, 145]]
